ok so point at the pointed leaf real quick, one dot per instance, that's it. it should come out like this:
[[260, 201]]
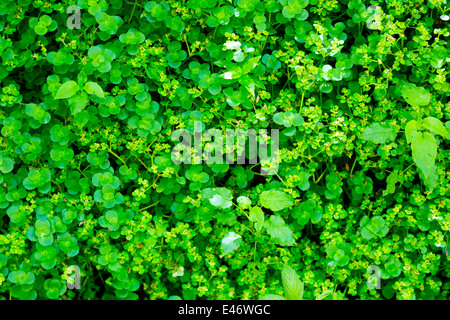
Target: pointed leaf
[[275, 200], [378, 133], [94, 88], [411, 127], [67, 90], [279, 231], [257, 216], [293, 287], [436, 126], [416, 96], [250, 64], [424, 151]]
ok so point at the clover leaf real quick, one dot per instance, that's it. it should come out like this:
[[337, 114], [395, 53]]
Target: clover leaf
[[108, 24], [38, 178], [339, 254], [288, 119], [113, 219], [158, 11], [392, 268], [295, 9], [6, 164], [68, 244], [306, 211], [334, 189], [132, 37], [21, 277], [371, 227], [101, 58], [43, 232], [54, 288], [43, 25], [109, 257], [45, 256], [17, 215], [60, 57], [38, 113]]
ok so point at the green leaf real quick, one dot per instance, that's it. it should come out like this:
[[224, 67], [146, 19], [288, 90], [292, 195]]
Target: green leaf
[[78, 103], [244, 202], [94, 88], [378, 133], [218, 197], [231, 242], [411, 127], [257, 216], [393, 267], [424, 151], [6, 164], [279, 231], [67, 90], [250, 64], [391, 180], [436, 126], [293, 287], [415, 96], [275, 200]]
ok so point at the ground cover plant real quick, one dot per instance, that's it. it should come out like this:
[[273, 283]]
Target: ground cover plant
[[91, 92]]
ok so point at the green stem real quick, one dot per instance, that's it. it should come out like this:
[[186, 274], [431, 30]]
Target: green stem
[[149, 206], [187, 44], [114, 154], [241, 211], [353, 167], [301, 102]]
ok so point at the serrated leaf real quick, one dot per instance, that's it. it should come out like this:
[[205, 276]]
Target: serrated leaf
[[94, 88], [416, 96], [432, 179], [436, 126], [231, 242], [411, 127], [293, 287], [279, 231], [378, 133], [424, 151], [67, 90], [257, 216], [275, 200]]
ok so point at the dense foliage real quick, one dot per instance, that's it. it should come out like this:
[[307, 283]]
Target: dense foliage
[[358, 90]]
